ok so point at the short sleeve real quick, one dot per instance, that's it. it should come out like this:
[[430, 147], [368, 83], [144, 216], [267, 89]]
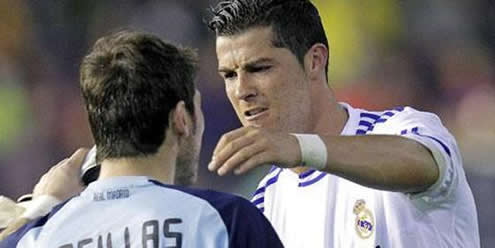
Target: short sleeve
[[427, 129]]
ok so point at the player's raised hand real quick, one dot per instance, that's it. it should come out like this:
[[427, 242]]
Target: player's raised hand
[[62, 180], [247, 147]]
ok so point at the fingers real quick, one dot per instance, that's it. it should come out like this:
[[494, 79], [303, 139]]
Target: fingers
[[240, 151], [248, 147], [63, 179], [71, 165], [78, 157], [235, 160], [231, 145], [75, 160], [253, 162], [227, 138]]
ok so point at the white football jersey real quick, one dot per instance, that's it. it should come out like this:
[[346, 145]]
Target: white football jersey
[[320, 210], [138, 212]]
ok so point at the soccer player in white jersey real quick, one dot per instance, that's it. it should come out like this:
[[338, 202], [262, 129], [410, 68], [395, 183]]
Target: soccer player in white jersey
[[147, 123], [343, 177]]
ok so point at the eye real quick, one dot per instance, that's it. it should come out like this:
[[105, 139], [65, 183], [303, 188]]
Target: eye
[[260, 68], [228, 75]]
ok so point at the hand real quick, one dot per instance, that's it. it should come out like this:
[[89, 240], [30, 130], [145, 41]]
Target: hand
[[246, 148], [62, 180]]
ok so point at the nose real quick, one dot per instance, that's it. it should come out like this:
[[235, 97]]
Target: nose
[[246, 88]]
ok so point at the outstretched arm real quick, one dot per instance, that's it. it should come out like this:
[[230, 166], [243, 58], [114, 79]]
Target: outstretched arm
[[385, 162]]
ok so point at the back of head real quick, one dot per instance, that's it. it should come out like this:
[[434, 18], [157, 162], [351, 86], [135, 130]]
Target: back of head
[[296, 24], [130, 82]]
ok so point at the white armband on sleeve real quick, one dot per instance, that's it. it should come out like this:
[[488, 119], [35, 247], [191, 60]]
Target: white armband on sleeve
[[446, 178], [313, 150]]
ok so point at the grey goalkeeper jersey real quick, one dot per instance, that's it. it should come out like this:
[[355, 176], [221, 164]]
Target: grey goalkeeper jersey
[[133, 212]]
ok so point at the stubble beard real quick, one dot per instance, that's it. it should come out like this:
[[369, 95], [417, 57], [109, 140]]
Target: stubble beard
[[186, 165]]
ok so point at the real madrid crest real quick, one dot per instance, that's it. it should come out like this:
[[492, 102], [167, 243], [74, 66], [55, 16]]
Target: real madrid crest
[[365, 221]]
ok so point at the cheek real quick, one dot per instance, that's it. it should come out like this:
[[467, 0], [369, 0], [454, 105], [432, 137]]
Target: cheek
[[279, 95], [290, 101], [229, 91], [231, 96]]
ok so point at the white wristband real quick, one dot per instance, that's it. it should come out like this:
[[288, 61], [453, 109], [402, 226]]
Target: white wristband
[[39, 206], [313, 150]]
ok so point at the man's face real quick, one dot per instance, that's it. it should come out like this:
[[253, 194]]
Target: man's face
[[266, 85], [188, 157]]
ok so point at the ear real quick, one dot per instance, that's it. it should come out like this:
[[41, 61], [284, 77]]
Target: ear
[[315, 61], [180, 120]]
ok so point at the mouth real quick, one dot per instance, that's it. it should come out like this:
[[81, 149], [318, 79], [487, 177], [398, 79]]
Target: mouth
[[255, 113]]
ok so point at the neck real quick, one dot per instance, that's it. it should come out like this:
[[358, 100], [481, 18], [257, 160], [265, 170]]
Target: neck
[[159, 166], [327, 115]]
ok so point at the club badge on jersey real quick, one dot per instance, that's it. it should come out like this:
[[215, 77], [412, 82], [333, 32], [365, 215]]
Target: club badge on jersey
[[365, 221]]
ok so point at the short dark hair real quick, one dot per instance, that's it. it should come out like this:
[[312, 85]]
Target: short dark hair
[[130, 82], [296, 24]]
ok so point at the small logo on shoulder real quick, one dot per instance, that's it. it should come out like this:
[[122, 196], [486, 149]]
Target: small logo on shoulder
[[365, 222]]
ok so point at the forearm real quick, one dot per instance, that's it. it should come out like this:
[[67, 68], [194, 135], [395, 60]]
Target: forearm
[[383, 162]]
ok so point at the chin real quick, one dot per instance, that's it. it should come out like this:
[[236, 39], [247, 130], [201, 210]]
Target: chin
[[256, 124]]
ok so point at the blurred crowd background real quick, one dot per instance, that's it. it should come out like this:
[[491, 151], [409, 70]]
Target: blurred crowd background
[[437, 56]]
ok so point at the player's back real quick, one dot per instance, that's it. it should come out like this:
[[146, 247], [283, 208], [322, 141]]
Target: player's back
[[139, 212]]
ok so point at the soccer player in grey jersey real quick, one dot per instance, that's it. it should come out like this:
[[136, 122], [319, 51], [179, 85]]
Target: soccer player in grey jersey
[[147, 123]]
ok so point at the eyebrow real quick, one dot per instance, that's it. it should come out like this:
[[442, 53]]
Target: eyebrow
[[250, 64]]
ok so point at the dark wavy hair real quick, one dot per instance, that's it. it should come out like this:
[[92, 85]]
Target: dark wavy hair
[[296, 24], [130, 81]]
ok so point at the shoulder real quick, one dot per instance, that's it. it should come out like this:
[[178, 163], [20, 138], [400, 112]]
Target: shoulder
[[362, 121], [398, 120], [218, 200], [245, 224], [410, 114], [231, 208]]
